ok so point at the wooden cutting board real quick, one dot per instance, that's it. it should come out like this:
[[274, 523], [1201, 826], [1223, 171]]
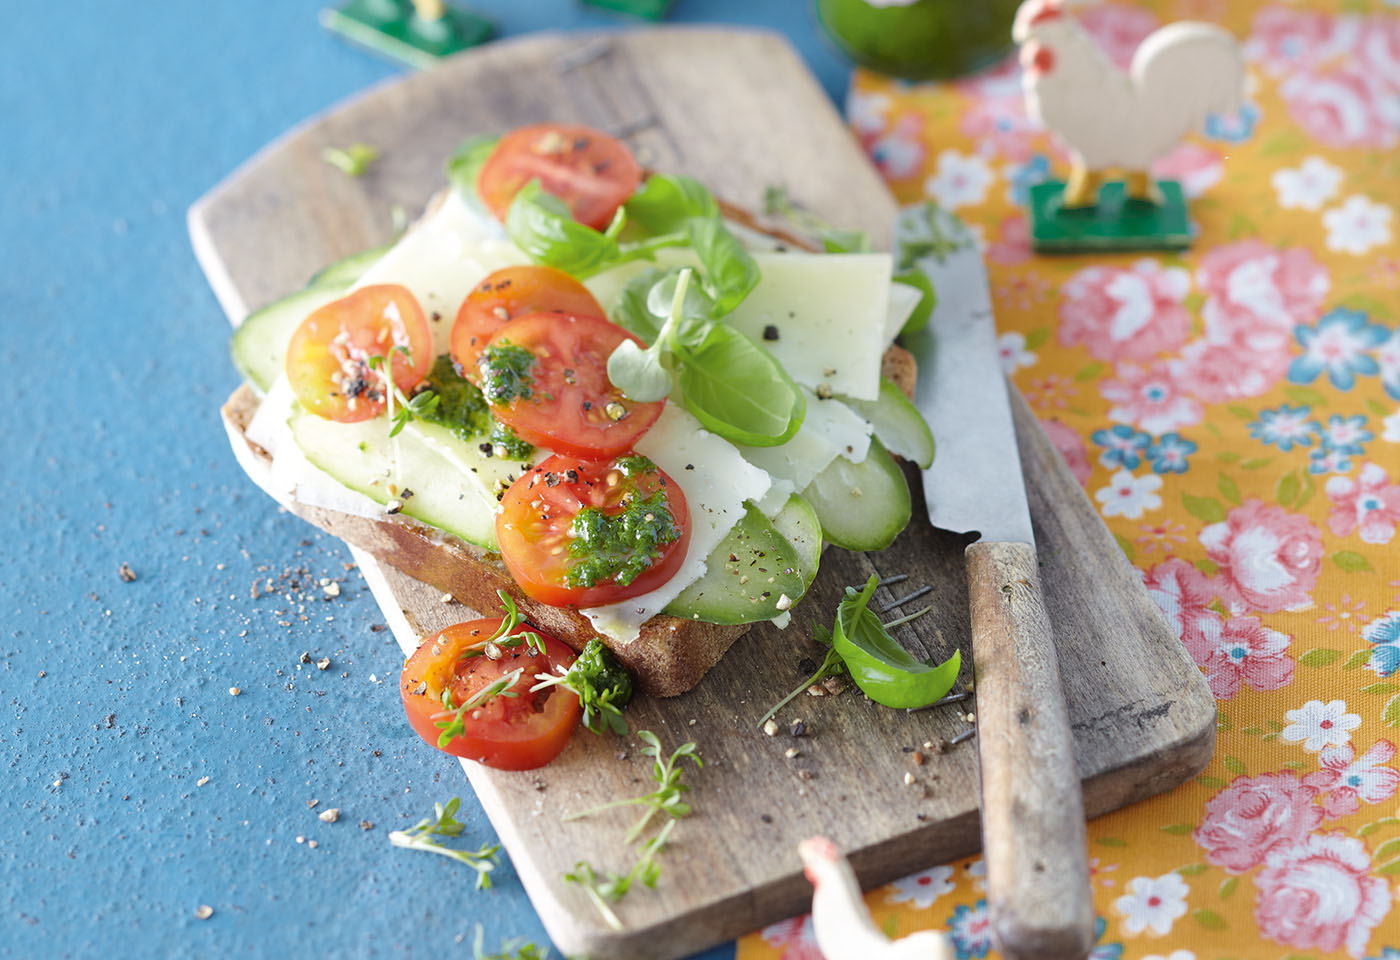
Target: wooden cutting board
[[738, 110]]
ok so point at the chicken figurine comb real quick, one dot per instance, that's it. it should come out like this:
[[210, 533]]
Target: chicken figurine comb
[[1116, 122]]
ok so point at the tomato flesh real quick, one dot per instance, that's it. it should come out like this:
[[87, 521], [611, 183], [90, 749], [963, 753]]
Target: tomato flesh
[[566, 564], [509, 733], [328, 358], [510, 293], [591, 172], [572, 407]]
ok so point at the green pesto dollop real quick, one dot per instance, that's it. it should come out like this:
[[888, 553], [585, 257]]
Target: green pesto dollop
[[506, 373], [619, 546], [460, 407], [505, 442]]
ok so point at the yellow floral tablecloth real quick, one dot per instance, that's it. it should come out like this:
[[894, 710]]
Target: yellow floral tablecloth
[[1235, 412]]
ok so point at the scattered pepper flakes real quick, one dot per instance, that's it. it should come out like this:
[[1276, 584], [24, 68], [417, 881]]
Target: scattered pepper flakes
[[823, 391], [366, 825], [798, 728], [204, 911], [127, 574], [918, 759], [770, 332], [329, 815]]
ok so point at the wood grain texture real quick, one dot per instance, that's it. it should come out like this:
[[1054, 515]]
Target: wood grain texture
[[1033, 832], [738, 110]]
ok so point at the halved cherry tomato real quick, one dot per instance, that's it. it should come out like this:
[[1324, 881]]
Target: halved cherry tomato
[[510, 293], [572, 406], [328, 358], [590, 171], [517, 732], [632, 539]]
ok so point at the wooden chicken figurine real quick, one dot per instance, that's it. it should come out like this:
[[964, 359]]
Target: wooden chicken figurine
[[842, 924], [1115, 121]]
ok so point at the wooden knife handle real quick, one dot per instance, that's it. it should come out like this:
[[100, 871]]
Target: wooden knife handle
[[1033, 834]]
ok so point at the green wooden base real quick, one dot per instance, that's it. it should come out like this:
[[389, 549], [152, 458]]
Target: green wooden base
[[646, 9], [391, 28], [1115, 223]]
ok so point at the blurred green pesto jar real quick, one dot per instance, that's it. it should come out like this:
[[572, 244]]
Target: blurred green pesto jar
[[920, 39]]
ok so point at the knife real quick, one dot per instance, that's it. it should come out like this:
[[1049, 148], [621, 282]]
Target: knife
[[1033, 833]]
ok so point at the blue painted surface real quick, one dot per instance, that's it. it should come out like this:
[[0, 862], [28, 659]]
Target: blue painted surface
[[116, 695]]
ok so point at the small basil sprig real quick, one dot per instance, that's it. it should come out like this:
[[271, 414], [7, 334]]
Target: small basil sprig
[[665, 212], [884, 670], [664, 203], [542, 226]]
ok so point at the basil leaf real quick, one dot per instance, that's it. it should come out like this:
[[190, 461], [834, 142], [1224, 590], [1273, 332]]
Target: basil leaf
[[728, 267], [839, 240], [665, 203], [919, 318], [736, 389], [542, 226], [645, 303], [884, 670], [464, 166]]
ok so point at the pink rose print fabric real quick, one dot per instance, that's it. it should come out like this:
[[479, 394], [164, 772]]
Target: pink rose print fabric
[[1233, 413]]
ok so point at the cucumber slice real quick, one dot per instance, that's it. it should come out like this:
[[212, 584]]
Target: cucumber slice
[[452, 482], [259, 345], [861, 506], [344, 272], [898, 424], [779, 558]]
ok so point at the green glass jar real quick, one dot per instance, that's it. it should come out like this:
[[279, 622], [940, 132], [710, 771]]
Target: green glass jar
[[921, 39]]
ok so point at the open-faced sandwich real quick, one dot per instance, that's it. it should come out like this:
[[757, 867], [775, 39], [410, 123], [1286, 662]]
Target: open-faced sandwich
[[595, 396]]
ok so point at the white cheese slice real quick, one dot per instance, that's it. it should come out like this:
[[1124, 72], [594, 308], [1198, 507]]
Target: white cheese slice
[[716, 481], [903, 301], [442, 259], [831, 313], [829, 430]]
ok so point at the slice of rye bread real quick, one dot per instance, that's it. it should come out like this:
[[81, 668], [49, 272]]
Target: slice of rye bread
[[668, 658]]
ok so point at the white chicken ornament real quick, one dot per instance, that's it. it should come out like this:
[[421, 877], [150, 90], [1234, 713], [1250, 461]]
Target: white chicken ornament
[[1115, 121]]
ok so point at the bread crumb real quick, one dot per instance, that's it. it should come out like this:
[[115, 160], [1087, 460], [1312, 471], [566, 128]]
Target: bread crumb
[[204, 911], [770, 727], [234, 691], [329, 815]]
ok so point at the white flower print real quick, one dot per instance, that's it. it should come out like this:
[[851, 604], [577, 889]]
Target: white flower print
[[977, 870], [1129, 496], [1014, 354], [923, 888], [1309, 186], [1152, 903], [1357, 225], [1392, 427], [1319, 725], [866, 111], [961, 180]]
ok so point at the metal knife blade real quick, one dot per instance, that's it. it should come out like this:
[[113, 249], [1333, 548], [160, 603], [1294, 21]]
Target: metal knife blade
[[975, 482]]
